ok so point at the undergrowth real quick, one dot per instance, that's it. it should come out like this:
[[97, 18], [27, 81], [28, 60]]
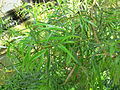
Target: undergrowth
[[70, 46]]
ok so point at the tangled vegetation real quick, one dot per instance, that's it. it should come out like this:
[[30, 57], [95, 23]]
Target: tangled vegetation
[[74, 45]]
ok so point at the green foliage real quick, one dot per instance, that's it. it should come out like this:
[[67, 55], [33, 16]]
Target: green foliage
[[72, 46]]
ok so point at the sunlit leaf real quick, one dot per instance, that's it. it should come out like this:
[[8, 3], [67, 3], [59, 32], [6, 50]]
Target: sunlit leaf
[[68, 52]]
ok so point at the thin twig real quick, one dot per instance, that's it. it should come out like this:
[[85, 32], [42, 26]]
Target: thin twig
[[69, 75]]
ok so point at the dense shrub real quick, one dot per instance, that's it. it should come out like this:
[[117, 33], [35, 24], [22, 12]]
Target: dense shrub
[[72, 46]]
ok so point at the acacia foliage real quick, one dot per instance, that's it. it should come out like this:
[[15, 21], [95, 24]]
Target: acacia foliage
[[72, 46]]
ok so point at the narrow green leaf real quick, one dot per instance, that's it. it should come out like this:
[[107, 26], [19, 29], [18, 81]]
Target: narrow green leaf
[[88, 21], [70, 36], [69, 42], [37, 55], [68, 52], [52, 28], [52, 38], [59, 1]]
